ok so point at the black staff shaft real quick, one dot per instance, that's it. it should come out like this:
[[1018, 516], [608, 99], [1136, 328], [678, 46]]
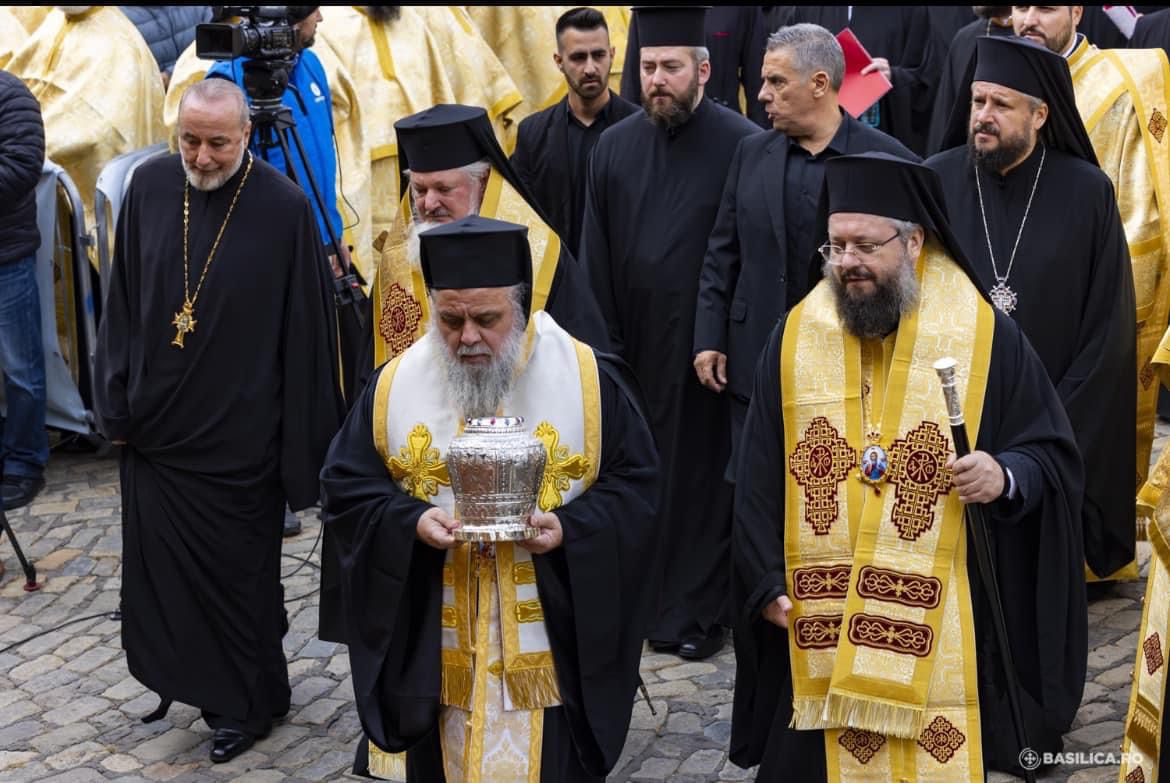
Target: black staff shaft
[[30, 571], [980, 537]]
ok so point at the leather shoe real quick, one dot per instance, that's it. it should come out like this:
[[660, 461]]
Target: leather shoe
[[292, 525], [701, 646], [226, 744], [17, 491]]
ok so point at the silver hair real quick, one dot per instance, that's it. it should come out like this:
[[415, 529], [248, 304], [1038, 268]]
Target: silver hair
[[904, 228], [478, 170], [216, 89], [701, 54], [813, 49]]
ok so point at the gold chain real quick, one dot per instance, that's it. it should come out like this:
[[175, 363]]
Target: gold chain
[[189, 298]]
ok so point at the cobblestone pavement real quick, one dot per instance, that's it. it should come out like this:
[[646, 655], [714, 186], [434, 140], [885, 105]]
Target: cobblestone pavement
[[69, 708]]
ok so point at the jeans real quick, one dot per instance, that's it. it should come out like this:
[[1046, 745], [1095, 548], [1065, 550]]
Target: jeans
[[24, 445]]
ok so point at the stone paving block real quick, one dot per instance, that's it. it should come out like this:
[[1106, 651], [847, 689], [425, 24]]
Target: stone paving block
[[1097, 733], [307, 690], [1117, 677], [128, 688], [14, 712], [76, 755], [318, 649], [327, 766], [319, 711], [1098, 775], [703, 762], [82, 775], [260, 776], [719, 732], [671, 689], [14, 759], [121, 763], [643, 718], [17, 735], [35, 668], [686, 671], [77, 710], [167, 746], [732, 771], [55, 560], [57, 740], [683, 723], [655, 769], [49, 681]]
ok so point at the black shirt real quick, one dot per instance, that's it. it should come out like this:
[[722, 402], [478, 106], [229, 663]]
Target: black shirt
[[581, 141], [803, 177]]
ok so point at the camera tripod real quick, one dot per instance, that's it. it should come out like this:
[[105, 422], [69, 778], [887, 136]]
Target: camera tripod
[[274, 127]]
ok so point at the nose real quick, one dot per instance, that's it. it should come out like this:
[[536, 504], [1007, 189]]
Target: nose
[[1029, 17], [470, 335], [430, 200], [765, 95], [203, 156]]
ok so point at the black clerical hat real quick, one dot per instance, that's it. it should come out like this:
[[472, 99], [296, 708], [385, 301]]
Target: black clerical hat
[[475, 252], [1020, 64], [450, 135], [877, 183], [445, 136], [671, 25]]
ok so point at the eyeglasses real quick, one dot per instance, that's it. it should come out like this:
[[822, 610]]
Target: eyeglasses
[[835, 254]]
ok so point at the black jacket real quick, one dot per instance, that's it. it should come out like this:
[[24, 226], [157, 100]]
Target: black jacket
[[541, 159], [744, 283], [167, 29], [22, 156]]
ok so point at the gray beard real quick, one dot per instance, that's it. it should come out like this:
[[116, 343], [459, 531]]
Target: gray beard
[[416, 229], [212, 180], [477, 392], [877, 314]]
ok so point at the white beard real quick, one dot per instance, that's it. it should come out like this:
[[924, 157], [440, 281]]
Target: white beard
[[476, 391], [212, 180], [416, 229]]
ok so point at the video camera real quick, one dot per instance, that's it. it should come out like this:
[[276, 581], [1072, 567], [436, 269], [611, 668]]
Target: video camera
[[266, 35]]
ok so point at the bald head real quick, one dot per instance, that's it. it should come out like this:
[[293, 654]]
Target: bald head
[[218, 96]]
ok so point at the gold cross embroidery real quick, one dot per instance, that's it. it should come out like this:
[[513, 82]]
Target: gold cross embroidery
[[418, 467], [560, 469]]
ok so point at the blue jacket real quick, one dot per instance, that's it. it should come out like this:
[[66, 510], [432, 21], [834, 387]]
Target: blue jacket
[[313, 113]]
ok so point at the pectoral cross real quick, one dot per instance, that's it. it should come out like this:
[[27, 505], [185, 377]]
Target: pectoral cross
[[184, 324]]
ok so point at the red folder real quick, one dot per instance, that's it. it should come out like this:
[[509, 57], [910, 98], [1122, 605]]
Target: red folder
[[859, 92]]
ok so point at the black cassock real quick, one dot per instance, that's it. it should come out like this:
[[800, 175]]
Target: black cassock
[[1038, 558], [592, 593], [1074, 281], [902, 35], [650, 206], [219, 433]]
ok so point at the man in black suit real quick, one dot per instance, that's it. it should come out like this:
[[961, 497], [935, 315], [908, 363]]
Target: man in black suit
[[759, 259], [552, 151]]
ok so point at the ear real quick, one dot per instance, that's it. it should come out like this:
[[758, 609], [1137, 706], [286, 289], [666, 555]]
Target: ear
[[1040, 116], [915, 242], [1077, 11], [559, 61], [247, 131], [704, 71], [820, 84]]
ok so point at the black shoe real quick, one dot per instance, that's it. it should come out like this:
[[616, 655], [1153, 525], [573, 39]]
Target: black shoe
[[663, 647], [701, 646], [226, 744], [17, 491], [292, 525]]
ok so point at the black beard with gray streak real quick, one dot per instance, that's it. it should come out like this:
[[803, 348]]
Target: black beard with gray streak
[[876, 314], [476, 391], [384, 13]]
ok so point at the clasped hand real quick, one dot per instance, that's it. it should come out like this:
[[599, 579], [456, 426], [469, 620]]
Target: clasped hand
[[437, 528], [978, 477]]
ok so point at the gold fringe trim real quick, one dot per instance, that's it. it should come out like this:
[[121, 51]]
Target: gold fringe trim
[[808, 713], [888, 718], [1144, 731], [533, 689], [456, 686], [1145, 515], [529, 611], [387, 766]]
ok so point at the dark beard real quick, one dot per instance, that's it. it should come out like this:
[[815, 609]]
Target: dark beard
[[384, 13], [678, 113], [877, 314], [1009, 152]]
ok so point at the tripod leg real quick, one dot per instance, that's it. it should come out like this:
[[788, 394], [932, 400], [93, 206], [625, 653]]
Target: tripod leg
[[30, 571]]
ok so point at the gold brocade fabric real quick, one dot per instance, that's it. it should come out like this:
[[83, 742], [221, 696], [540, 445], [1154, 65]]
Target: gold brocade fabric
[[30, 16], [12, 35], [882, 634], [352, 188], [1147, 705], [397, 70], [100, 91], [1123, 96], [399, 293], [473, 69]]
